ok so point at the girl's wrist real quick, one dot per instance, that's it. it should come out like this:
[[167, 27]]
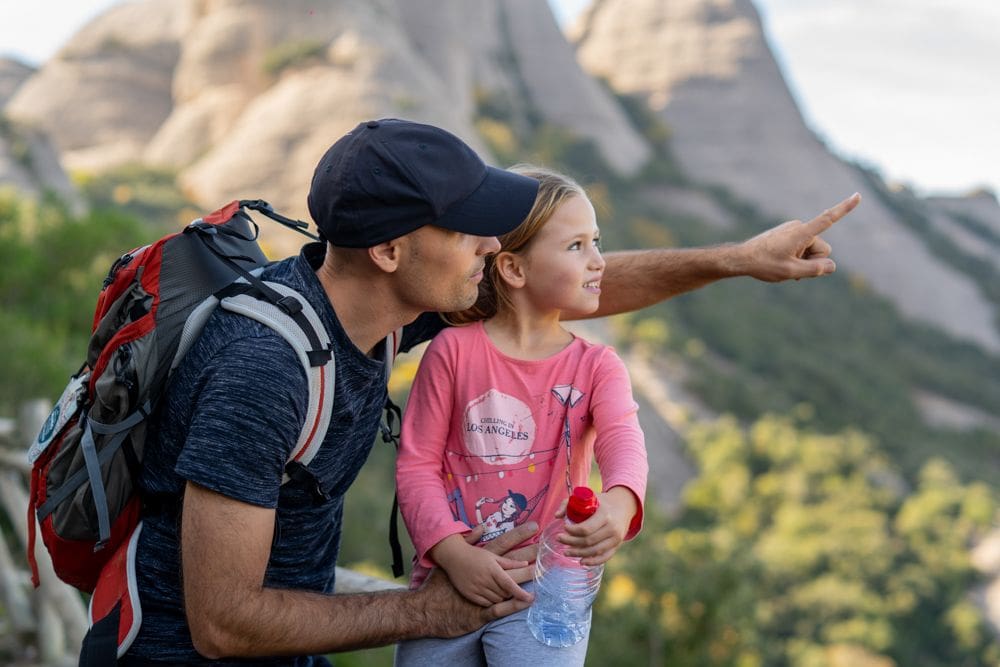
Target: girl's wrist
[[445, 551], [622, 506]]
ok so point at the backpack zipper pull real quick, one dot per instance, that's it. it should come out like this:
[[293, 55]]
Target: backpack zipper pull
[[119, 264]]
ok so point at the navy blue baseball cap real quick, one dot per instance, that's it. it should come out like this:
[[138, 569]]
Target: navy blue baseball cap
[[386, 178]]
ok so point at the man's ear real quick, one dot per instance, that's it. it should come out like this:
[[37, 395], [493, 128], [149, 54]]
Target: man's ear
[[510, 268], [386, 256]]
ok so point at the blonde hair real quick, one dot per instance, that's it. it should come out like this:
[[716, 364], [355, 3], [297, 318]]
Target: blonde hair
[[494, 295]]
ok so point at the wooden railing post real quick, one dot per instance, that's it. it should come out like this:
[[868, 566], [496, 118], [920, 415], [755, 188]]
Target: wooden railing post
[[57, 617]]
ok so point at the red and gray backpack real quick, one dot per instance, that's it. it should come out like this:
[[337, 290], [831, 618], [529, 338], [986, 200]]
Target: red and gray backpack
[[87, 457]]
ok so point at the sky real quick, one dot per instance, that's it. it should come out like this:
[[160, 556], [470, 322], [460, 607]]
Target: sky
[[909, 87]]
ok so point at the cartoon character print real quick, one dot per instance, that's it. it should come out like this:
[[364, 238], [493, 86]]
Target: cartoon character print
[[513, 510], [499, 431], [505, 518]]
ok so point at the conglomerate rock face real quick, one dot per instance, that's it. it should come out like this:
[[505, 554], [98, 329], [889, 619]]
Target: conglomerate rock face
[[706, 68], [12, 74], [243, 96], [106, 93], [29, 163], [971, 222]]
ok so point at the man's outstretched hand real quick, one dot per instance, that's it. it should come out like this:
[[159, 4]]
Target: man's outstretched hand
[[794, 249]]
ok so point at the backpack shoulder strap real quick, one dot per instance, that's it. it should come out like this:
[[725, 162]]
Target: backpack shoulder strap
[[392, 342], [317, 360], [309, 345]]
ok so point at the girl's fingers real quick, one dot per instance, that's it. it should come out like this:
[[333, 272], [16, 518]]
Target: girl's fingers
[[599, 544], [510, 563], [599, 559], [582, 534], [598, 554]]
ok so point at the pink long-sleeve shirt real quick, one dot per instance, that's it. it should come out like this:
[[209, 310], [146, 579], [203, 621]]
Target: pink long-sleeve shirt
[[489, 439]]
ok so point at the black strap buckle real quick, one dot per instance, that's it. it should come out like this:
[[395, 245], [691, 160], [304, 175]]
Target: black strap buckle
[[289, 304]]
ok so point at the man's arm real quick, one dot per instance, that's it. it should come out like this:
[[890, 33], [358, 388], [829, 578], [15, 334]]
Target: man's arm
[[225, 546], [639, 278]]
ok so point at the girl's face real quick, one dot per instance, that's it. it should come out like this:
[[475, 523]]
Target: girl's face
[[563, 264], [508, 508]]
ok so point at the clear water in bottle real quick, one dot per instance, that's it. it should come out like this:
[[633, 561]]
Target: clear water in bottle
[[564, 588]]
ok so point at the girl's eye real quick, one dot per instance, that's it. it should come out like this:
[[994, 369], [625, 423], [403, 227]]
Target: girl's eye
[[575, 245], [597, 243]]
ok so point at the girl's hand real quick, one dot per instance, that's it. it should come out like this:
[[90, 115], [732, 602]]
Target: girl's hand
[[479, 575], [596, 540]]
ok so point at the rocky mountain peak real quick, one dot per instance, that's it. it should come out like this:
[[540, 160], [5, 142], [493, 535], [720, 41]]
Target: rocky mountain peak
[[243, 96], [103, 96], [705, 67], [12, 74]]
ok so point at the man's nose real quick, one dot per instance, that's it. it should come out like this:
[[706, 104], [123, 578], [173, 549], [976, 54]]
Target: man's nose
[[490, 245]]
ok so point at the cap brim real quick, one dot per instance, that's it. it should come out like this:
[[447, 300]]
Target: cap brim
[[500, 203]]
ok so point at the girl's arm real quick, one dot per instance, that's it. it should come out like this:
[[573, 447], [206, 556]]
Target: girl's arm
[[620, 451], [478, 574], [419, 465]]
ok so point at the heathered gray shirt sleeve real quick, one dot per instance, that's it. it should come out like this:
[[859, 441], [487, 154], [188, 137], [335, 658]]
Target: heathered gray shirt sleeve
[[248, 415]]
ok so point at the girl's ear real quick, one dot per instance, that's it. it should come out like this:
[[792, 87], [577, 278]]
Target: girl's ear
[[510, 268], [386, 256]]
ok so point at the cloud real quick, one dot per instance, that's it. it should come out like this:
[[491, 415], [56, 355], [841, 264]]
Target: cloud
[[32, 32], [909, 86]]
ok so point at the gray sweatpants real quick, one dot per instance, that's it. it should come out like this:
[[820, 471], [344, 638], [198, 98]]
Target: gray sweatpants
[[505, 642]]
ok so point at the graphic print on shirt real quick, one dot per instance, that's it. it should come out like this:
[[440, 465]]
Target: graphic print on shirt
[[498, 429], [511, 507], [569, 396], [499, 434]]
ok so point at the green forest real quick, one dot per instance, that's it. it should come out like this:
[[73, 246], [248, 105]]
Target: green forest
[[828, 524]]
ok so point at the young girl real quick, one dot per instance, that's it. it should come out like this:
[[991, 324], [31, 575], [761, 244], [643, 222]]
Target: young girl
[[506, 415]]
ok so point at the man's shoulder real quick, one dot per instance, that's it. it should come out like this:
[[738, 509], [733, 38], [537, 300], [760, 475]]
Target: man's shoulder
[[238, 346], [227, 332]]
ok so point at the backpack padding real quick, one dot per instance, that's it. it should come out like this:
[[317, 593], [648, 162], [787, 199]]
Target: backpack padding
[[193, 326], [117, 587], [321, 378], [195, 323]]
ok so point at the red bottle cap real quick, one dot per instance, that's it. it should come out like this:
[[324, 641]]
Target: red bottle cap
[[582, 504]]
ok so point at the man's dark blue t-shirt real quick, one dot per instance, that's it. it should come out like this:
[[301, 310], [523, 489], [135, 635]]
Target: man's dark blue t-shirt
[[228, 422]]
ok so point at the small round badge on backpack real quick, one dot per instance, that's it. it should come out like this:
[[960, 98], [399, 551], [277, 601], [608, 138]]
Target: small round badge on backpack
[[66, 407]]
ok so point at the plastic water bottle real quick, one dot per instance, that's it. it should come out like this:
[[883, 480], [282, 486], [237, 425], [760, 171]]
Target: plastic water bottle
[[564, 588]]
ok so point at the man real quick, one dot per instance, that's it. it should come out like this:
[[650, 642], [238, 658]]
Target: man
[[409, 213]]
